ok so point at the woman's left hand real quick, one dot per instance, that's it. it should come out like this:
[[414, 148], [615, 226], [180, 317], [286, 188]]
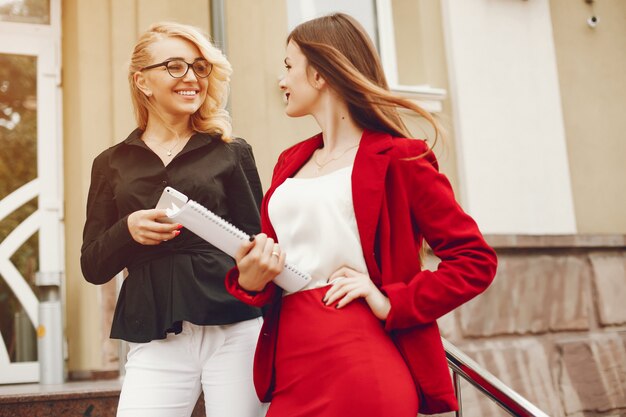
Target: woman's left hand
[[348, 285]]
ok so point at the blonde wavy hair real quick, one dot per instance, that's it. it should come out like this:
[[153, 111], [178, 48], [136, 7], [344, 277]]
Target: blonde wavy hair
[[212, 116]]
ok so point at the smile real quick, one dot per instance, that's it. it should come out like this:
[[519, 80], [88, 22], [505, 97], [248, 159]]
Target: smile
[[187, 92]]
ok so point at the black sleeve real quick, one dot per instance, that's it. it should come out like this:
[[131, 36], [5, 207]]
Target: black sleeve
[[244, 190], [106, 238], [248, 164]]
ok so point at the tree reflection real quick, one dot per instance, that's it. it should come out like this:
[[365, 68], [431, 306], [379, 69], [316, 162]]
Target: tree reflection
[[18, 166], [25, 11]]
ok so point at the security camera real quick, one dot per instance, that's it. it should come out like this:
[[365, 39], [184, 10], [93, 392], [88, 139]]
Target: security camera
[[592, 21]]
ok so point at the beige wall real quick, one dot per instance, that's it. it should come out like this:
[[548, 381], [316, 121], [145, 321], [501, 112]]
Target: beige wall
[[87, 128], [98, 37], [256, 49], [421, 57], [592, 67]]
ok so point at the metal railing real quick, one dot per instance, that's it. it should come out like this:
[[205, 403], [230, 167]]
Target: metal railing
[[463, 366]]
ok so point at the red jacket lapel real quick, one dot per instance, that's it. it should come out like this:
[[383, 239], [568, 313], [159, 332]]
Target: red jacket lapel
[[368, 185], [368, 188]]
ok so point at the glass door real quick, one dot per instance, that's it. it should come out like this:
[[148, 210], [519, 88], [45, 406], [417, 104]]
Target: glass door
[[30, 176]]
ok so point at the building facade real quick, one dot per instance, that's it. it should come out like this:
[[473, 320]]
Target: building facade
[[532, 95]]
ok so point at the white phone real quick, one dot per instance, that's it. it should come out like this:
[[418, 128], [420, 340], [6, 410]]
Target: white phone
[[171, 200]]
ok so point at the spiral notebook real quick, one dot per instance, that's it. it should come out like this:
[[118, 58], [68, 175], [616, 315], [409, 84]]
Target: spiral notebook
[[220, 233]]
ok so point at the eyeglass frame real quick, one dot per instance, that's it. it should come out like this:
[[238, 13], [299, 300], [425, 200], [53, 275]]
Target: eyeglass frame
[[167, 61]]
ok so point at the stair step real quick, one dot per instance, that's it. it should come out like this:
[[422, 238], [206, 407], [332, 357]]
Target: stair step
[[80, 399]]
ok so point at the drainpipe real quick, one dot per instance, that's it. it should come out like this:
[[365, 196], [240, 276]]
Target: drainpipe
[[218, 30], [218, 24]]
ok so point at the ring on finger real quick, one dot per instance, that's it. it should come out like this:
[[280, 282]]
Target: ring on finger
[[276, 250]]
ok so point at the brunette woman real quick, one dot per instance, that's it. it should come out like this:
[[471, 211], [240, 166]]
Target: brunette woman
[[353, 206]]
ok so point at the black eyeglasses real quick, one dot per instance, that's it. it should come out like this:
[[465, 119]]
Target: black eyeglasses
[[178, 68]]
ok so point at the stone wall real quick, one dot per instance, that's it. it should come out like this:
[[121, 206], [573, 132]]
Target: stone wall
[[552, 326]]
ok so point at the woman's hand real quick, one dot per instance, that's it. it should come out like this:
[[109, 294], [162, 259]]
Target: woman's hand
[[259, 261], [145, 229], [348, 285]]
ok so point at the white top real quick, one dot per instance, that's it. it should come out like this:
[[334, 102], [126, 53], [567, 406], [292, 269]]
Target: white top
[[314, 221]]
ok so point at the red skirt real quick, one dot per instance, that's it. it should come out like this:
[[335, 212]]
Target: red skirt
[[337, 363]]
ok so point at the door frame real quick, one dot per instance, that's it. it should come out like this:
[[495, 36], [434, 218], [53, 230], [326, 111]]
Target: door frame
[[42, 41]]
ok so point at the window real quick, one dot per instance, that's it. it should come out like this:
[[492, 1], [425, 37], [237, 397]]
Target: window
[[25, 11], [30, 180], [376, 16]]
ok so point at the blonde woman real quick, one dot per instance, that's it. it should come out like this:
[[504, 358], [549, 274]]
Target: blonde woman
[[186, 332], [353, 205]]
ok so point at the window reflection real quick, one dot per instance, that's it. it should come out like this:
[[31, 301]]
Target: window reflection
[[25, 11], [18, 166], [299, 11]]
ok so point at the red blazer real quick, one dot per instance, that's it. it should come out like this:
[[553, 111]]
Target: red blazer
[[398, 200]]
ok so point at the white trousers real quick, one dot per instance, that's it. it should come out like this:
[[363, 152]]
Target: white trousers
[[164, 377]]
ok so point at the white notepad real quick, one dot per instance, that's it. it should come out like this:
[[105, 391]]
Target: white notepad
[[220, 233]]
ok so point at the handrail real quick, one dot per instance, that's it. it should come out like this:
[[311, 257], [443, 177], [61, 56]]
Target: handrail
[[465, 367]]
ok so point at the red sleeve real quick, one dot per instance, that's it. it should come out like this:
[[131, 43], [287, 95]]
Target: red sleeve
[[257, 299], [468, 264]]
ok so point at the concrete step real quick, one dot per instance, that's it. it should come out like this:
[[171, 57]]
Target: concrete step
[[79, 399]]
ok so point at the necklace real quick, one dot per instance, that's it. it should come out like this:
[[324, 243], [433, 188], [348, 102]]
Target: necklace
[[170, 150], [322, 165]]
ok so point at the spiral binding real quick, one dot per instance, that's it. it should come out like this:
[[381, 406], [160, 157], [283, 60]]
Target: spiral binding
[[229, 227], [234, 230]]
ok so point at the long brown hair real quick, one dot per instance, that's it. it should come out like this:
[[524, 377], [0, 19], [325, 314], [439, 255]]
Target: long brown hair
[[211, 117], [339, 49]]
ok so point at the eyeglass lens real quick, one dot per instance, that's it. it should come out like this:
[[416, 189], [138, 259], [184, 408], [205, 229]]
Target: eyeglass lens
[[178, 69]]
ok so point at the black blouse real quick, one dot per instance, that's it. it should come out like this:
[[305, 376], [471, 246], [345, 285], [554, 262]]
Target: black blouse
[[183, 278]]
